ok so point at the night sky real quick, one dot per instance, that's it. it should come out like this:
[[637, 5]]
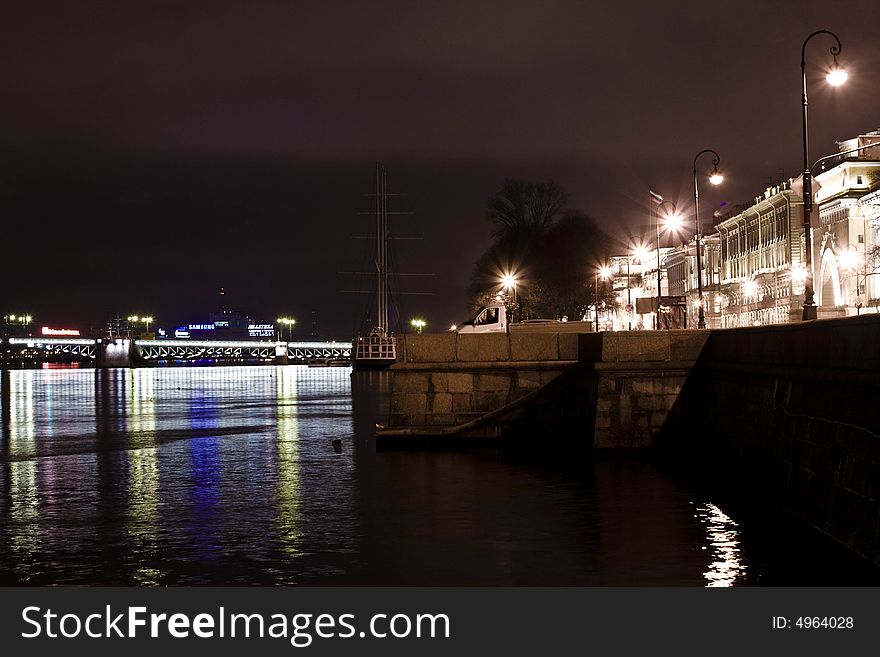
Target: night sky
[[152, 152]]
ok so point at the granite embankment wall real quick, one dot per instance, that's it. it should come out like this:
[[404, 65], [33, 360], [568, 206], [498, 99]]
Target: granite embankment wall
[[608, 390], [794, 410], [790, 411], [445, 380]]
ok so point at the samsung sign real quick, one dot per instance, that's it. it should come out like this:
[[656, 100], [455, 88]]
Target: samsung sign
[[261, 330], [201, 327]]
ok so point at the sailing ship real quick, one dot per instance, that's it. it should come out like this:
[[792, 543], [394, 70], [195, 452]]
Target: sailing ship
[[378, 349]]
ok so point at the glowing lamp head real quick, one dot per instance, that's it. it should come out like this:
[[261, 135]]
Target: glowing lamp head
[[508, 280], [849, 260], [837, 75], [673, 222], [640, 253], [605, 272], [716, 178]]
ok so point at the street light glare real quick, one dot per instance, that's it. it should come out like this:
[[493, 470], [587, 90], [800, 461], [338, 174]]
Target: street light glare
[[508, 280], [836, 76], [849, 260], [605, 271], [716, 178], [673, 222]]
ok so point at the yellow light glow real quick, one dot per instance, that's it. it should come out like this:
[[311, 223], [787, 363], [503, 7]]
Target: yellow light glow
[[836, 76], [605, 272], [673, 222], [508, 280], [849, 259], [716, 178]]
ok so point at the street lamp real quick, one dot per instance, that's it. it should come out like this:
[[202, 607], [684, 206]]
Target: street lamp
[[23, 320], [418, 325], [604, 272], [137, 319], [508, 281], [715, 178], [835, 77], [290, 322], [672, 223], [750, 291]]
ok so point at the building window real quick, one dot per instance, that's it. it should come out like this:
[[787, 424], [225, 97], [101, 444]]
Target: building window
[[858, 180]]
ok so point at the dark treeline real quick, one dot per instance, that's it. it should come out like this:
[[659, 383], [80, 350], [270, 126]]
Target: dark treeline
[[552, 250]]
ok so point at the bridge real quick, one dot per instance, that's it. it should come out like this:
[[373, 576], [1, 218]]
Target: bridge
[[116, 352]]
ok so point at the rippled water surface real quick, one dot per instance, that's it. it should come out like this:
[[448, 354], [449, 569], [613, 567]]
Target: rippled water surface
[[230, 475]]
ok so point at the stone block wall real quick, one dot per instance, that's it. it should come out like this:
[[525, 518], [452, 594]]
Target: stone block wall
[[792, 411], [443, 380], [640, 377]]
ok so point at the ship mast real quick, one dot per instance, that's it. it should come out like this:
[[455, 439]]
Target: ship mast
[[381, 251]]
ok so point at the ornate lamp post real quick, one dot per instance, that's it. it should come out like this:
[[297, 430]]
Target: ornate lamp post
[[715, 178], [659, 203], [836, 76]]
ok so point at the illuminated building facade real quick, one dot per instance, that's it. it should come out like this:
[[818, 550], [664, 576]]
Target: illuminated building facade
[[845, 237], [761, 261]]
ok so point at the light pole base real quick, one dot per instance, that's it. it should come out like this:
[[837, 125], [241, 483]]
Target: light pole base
[[810, 312]]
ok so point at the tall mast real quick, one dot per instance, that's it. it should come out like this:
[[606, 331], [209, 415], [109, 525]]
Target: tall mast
[[381, 249]]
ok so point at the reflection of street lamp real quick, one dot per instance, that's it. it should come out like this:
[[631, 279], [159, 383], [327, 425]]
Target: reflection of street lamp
[[290, 322], [418, 325], [715, 178], [836, 76]]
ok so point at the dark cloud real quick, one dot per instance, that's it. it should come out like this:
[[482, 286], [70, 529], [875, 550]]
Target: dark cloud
[[153, 151]]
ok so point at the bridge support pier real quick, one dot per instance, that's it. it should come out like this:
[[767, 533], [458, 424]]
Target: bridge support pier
[[113, 353], [281, 357]]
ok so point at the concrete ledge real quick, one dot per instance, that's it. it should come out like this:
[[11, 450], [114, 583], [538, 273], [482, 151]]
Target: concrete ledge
[[431, 348], [534, 346], [482, 365], [488, 347]]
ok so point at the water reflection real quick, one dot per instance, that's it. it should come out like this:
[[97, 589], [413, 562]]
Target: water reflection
[[726, 564], [289, 520], [24, 492], [143, 470], [228, 475]]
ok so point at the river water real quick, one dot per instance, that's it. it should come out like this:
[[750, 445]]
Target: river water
[[230, 475]]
